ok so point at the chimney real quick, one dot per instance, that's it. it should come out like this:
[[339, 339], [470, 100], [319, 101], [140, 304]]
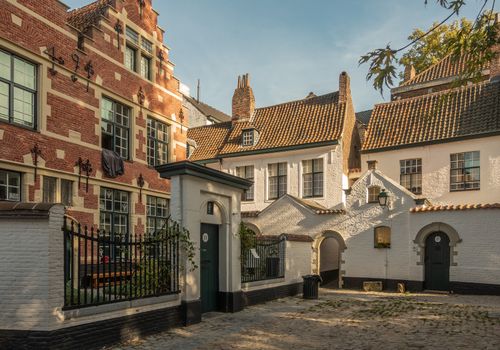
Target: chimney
[[495, 62], [243, 99], [344, 87], [409, 72], [372, 164]]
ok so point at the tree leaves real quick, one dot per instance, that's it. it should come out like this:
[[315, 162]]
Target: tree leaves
[[440, 40]]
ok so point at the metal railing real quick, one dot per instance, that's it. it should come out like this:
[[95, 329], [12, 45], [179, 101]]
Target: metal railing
[[265, 260], [100, 268]]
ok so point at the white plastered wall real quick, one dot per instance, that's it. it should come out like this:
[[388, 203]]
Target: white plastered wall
[[436, 169], [188, 207], [333, 179]]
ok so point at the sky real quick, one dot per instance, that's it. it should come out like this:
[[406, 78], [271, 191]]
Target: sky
[[289, 47]]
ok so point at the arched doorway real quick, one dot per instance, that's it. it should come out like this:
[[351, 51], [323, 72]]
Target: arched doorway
[[329, 264], [437, 261], [437, 251], [329, 248]]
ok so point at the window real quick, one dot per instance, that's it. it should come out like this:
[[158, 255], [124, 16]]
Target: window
[[49, 189], [210, 208], [246, 172], [382, 237], [115, 127], [465, 174], [277, 180], [411, 175], [113, 219], [67, 192], [138, 50], [157, 213], [132, 35], [146, 67], [248, 137], [18, 89], [50, 193], [130, 56], [158, 137], [373, 192], [312, 176], [147, 45], [10, 186]]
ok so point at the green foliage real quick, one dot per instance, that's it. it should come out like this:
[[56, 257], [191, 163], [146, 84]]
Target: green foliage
[[462, 37], [433, 47], [247, 238]]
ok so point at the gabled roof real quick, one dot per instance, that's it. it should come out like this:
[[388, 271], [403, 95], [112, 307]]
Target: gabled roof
[[208, 111], [310, 121], [448, 67], [465, 112], [87, 16]]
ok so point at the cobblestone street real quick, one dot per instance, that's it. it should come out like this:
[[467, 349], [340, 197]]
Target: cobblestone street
[[345, 320]]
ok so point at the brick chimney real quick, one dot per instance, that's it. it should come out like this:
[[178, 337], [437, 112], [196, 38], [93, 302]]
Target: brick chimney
[[344, 87], [495, 62], [409, 72], [243, 99]]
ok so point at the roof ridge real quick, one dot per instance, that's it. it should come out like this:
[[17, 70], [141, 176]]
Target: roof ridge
[[409, 82], [299, 100], [206, 104], [210, 125], [442, 92]]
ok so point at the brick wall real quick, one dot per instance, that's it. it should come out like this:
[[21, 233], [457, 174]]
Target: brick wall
[[69, 117]]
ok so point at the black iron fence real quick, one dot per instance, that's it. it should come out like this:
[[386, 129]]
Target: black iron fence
[[100, 268], [264, 259]]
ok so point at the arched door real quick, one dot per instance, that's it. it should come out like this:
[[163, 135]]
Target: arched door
[[437, 262], [329, 253]]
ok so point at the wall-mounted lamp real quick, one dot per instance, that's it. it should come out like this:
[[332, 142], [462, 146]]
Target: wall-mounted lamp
[[383, 198]]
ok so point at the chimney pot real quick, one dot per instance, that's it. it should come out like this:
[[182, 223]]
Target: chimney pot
[[409, 72], [372, 164], [243, 103], [344, 87]]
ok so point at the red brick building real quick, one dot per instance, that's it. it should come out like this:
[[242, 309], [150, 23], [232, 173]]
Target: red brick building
[[74, 83]]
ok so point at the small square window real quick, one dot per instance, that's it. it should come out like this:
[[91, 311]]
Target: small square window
[[382, 237], [373, 193], [248, 137]]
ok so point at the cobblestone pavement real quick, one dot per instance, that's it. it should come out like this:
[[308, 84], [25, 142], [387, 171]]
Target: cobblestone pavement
[[344, 320]]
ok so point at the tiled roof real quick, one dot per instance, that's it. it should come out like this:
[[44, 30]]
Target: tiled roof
[[209, 111], [316, 207], [312, 120], [446, 68], [87, 16], [427, 208], [468, 111]]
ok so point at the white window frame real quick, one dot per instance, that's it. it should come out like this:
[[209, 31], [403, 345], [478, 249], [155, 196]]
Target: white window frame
[[248, 137], [7, 186], [144, 49]]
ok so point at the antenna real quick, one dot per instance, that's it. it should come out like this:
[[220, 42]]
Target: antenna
[[198, 92]]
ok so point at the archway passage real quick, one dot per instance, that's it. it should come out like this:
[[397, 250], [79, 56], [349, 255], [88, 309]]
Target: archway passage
[[437, 261], [329, 265]]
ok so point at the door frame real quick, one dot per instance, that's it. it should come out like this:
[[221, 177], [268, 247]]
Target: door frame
[[317, 248], [216, 268], [428, 266]]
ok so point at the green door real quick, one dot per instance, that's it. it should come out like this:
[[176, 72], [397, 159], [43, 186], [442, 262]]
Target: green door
[[437, 262], [209, 266]]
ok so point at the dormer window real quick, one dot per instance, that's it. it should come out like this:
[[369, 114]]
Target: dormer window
[[249, 137]]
